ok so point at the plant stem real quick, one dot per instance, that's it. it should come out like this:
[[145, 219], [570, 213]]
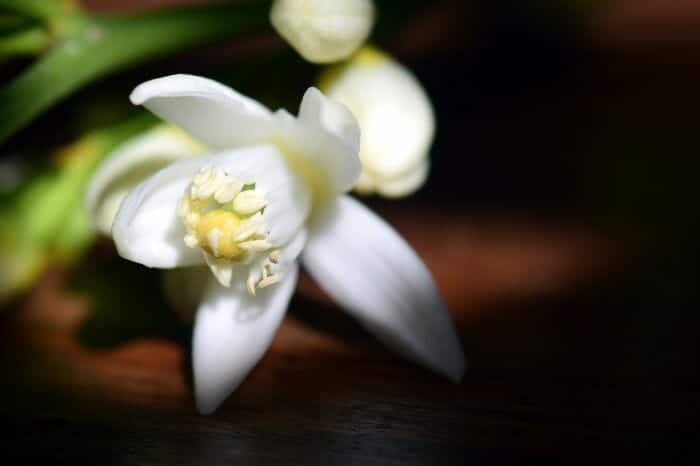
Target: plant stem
[[43, 10], [101, 45], [31, 41]]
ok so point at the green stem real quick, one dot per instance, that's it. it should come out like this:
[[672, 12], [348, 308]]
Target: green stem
[[102, 45], [43, 10], [31, 41]]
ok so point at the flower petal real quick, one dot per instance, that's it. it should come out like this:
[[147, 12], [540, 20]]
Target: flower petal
[[232, 332], [362, 263], [213, 113], [323, 151], [318, 110], [148, 230], [130, 164]]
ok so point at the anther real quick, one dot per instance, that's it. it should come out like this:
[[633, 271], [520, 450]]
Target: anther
[[248, 202]]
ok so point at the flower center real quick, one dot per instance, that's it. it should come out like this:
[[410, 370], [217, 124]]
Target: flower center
[[223, 216]]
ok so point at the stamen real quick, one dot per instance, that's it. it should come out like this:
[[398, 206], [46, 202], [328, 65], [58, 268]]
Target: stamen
[[256, 245], [221, 268], [266, 275], [248, 227], [271, 280], [250, 284], [228, 191], [248, 202], [191, 241], [226, 222]]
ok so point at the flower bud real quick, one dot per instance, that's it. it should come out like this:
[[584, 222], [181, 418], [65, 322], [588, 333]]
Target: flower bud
[[395, 116], [323, 31]]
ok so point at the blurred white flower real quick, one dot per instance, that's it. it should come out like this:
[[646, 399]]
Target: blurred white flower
[[128, 165], [395, 116], [323, 31], [273, 193]]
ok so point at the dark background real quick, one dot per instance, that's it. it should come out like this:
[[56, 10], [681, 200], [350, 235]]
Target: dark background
[[560, 221]]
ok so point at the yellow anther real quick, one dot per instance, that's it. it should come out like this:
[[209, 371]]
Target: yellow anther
[[215, 231]]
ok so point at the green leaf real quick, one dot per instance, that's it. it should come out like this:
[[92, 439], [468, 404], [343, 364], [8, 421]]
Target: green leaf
[[30, 41], [97, 46], [44, 10]]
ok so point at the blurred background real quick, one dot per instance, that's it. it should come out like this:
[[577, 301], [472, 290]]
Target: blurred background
[[559, 219]]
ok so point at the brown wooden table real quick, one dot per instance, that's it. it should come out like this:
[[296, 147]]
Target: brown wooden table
[[82, 386]]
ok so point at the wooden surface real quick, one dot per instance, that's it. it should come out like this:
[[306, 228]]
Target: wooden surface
[[544, 368]]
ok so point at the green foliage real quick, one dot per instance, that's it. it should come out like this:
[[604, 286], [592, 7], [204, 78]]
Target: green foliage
[[86, 47], [45, 218]]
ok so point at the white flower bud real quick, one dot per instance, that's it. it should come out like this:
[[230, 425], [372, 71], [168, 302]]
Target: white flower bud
[[395, 116], [323, 31]]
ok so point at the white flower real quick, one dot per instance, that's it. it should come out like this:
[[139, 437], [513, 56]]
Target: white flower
[[396, 118], [323, 31], [272, 193]]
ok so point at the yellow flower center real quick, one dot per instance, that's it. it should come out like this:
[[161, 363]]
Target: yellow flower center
[[223, 216], [215, 232]]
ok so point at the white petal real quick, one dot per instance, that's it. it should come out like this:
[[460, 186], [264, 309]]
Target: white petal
[[232, 332], [148, 230], [317, 109], [393, 110], [362, 263], [213, 113], [326, 161], [130, 164], [291, 250]]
